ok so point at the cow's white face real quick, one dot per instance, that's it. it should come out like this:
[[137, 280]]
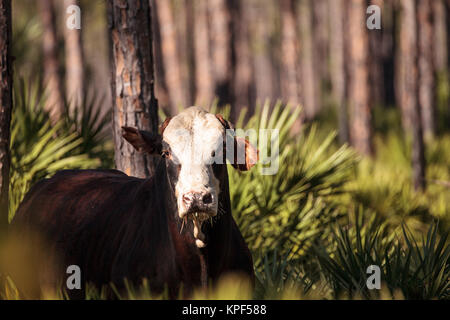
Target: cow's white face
[[193, 140], [193, 145]]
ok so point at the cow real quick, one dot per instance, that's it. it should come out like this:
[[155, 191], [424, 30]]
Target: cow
[[174, 229]]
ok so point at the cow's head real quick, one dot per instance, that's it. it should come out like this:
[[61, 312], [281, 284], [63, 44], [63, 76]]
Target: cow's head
[[193, 144]]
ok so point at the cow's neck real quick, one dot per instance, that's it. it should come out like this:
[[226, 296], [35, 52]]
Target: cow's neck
[[218, 235], [211, 259]]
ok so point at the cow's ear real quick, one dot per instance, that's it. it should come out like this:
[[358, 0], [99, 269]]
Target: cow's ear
[[164, 125], [226, 124], [143, 141], [251, 154]]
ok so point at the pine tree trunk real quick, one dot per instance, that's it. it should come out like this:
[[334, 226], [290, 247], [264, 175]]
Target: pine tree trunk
[[221, 45], [260, 39], [6, 79], [289, 50], [161, 90], [308, 74], [52, 79], [190, 50], [358, 89], [337, 67], [320, 43], [203, 73], [376, 76], [74, 62], [132, 82], [388, 43], [440, 36], [409, 89], [243, 76], [426, 70], [172, 65]]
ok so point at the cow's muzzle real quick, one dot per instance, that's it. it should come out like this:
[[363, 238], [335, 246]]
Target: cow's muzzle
[[200, 208], [198, 202]]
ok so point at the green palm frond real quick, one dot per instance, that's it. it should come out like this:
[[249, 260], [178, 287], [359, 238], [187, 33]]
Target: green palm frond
[[40, 149]]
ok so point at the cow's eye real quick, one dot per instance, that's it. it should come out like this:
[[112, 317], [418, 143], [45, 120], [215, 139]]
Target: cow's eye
[[213, 154], [165, 154]]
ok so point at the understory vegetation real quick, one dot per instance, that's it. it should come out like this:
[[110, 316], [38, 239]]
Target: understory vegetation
[[313, 228]]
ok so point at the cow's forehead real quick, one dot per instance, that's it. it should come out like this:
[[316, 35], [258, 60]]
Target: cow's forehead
[[193, 130]]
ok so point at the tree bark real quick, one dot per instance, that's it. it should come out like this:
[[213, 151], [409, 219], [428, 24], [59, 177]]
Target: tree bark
[[320, 43], [6, 79], [308, 74], [426, 69], [409, 89], [132, 81], [289, 51], [52, 78], [260, 39], [358, 90], [389, 31], [243, 76], [161, 90], [221, 44], [337, 67], [74, 62], [440, 36], [203, 74], [190, 50], [172, 65], [376, 76]]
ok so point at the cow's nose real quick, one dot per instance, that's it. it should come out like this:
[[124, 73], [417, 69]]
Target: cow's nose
[[197, 199], [207, 198], [188, 198]]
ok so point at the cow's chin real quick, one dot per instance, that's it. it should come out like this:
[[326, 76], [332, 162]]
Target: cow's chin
[[197, 219]]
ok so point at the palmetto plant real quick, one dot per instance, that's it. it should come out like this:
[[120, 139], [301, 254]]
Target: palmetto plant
[[92, 124], [287, 210], [417, 270], [40, 149]]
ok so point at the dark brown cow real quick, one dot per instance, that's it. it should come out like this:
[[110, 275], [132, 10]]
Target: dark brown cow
[[174, 228]]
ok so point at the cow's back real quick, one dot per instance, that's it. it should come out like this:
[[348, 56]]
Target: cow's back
[[100, 221]]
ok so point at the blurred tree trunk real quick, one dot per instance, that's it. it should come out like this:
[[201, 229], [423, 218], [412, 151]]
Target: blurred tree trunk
[[221, 45], [52, 79], [260, 42], [337, 67], [376, 76], [289, 51], [308, 74], [426, 69], [74, 62], [440, 36], [409, 89], [6, 79], [182, 35], [441, 42], [243, 80], [203, 73], [358, 87], [161, 90], [320, 43], [190, 53], [132, 82], [389, 29], [172, 65]]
